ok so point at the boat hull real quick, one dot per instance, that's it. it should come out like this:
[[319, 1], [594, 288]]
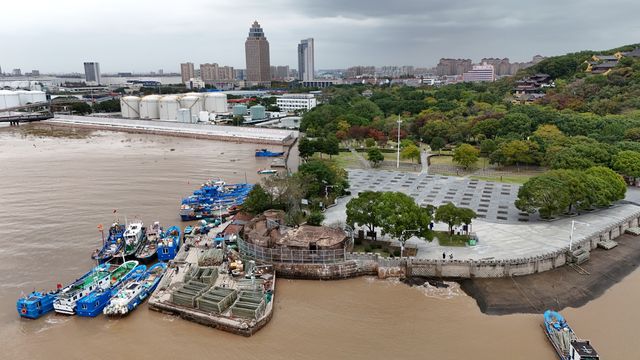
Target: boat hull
[[35, 305]]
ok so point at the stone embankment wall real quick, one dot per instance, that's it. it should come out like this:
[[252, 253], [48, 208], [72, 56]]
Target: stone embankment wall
[[359, 264]]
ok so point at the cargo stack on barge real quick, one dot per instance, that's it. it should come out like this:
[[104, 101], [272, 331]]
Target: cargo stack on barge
[[208, 283]]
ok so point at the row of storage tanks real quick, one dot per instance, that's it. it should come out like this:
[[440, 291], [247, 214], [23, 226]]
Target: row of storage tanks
[[168, 107], [10, 99]]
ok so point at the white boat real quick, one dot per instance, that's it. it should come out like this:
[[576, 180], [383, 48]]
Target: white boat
[[133, 238], [68, 296], [135, 292]]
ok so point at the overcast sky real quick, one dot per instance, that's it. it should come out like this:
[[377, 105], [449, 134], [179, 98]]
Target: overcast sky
[[146, 35]]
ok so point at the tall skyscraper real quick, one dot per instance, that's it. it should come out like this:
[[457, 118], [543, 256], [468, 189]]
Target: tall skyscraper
[[92, 72], [187, 72], [305, 60], [257, 54]]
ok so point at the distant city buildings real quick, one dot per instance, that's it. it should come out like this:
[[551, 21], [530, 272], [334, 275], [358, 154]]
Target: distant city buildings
[[187, 72], [396, 71], [483, 72], [92, 73], [306, 67], [453, 66], [360, 71], [213, 72], [257, 56], [16, 72], [280, 73]]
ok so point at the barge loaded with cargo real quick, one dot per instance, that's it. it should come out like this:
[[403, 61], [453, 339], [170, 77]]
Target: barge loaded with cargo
[[208, 283]]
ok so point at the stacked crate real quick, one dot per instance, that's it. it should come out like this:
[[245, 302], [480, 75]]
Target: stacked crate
[[186, 294], [250, 305], [217, 300]]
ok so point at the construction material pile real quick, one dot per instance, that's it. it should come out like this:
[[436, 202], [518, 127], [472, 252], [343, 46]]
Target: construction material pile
[[211, 257]]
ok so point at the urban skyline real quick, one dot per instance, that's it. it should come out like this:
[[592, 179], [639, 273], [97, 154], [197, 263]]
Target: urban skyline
[[347, 34]]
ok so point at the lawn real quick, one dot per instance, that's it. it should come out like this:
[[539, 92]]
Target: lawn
[[448, 160], [343, 159], [511, 178], [444, 239]]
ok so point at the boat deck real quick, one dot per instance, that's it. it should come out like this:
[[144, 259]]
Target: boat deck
[[217, 298]]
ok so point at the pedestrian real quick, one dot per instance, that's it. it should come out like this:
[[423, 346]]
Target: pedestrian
[[451, 256], [444, 256]]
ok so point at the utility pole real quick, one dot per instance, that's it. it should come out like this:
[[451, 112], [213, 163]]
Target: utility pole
[[398, 158], [573, 226]]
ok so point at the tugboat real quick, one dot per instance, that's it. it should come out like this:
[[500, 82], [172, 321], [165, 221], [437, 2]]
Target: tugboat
[[565, 342], [267, 153]]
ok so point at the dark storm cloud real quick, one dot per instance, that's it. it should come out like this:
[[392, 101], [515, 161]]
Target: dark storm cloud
[[150, 34]]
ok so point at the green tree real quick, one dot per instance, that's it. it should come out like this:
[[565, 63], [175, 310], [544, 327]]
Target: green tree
[[437, 143], [306, 148], [452, 215], [517, 125], [568, 158], [365, 210], [257, 201], [374, 155], [632, 134], [331, 146], [402, 218], [315, 218], [627, 163], [545, 194], [487, 147], [80, 108], [616, 187], [465, 155], [107, 106], [410, 152], [369, 142]]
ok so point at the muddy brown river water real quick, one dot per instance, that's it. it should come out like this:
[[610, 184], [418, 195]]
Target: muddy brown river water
[[55, 190]]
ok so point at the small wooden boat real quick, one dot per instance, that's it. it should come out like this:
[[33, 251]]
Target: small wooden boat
[[135, 292], [147, 251], [169, 244], [92, 304]]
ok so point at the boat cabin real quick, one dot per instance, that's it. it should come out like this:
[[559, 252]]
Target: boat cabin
[[582, 350]]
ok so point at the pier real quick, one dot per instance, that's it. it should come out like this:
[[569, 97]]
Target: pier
[[208, 283]]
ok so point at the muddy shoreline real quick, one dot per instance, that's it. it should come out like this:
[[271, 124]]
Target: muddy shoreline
[[555, 289]]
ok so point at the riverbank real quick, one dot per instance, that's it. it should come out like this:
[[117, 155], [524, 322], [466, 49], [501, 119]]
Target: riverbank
[[173, 128], [559, 288]]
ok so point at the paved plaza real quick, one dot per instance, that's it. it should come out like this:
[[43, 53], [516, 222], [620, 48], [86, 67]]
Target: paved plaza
[[501, 236], [492, 201]]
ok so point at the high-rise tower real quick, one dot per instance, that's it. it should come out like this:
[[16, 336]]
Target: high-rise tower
[[305, 60], [257, 54], [92, 72]]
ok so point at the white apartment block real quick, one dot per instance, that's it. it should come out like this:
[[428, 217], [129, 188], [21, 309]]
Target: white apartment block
[[292, 102]]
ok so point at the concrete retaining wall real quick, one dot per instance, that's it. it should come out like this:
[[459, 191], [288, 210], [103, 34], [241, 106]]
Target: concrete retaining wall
[[359, 264]]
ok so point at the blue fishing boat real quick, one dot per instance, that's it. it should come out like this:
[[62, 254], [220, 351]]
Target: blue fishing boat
[[98, 277], [36, 304], [148, 249], [214, 198], [92, 304], [564, 341], [113, 244], [169, 244], [135, 292], [267, 153]]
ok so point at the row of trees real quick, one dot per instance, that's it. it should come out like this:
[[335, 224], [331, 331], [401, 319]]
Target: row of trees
[[567, 191], [398, 215]]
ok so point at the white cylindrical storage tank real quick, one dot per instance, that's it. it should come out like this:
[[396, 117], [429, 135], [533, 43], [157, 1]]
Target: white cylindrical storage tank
[[149, 107], [215, 102], [25, 97], [169, 106], [203, 116], [184, 115], [193, 103], [9, 99], [130, 107]]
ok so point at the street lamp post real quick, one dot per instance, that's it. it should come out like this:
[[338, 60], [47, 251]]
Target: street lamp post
[[398, 158], [573, 226], [402, 241]]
